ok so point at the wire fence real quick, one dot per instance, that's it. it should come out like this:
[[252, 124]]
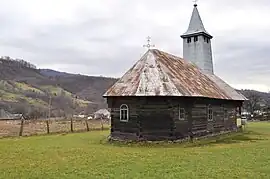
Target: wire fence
[[9, 128]]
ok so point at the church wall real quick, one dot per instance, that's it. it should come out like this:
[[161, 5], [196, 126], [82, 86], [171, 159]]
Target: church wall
[[150, 118], [220, 122], [157, 118]]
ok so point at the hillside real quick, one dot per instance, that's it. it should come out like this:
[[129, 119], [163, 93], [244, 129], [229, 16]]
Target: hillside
[[25, 89]]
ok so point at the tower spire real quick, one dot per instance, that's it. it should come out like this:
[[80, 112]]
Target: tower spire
[[196, 24], [197, 43]]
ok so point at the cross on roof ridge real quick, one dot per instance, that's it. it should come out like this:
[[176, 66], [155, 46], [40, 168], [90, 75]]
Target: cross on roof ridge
[[148, 45]]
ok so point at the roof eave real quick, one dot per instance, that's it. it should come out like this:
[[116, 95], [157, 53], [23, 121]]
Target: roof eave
[[198, 96], [190, 34]]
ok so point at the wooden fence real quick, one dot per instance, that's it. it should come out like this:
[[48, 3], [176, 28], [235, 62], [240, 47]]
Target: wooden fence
[[39, 127]]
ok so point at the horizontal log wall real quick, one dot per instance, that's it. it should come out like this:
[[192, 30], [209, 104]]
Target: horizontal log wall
[[158, 118]]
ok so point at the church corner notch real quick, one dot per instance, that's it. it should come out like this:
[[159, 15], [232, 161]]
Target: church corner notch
[[197, 43]]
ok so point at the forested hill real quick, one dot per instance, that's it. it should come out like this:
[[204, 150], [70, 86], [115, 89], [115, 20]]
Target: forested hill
[[26, 89]]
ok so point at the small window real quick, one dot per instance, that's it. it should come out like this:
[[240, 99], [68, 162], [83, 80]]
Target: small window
[[182, 115], [206, 39], [195, 38], [124, 113], [188, 40], [225, 114], [210, 113]]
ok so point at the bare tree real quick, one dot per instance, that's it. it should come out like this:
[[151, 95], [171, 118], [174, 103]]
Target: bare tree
[[253, 102]]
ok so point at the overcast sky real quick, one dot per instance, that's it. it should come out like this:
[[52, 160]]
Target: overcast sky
[[105, 37]]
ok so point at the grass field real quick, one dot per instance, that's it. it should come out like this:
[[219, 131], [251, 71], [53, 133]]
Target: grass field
[[87, 155]]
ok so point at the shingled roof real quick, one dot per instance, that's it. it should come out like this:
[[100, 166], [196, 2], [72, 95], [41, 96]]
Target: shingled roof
[[158, 73]]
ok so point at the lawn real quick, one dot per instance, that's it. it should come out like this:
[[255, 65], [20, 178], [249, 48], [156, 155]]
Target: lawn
[[87, 155]]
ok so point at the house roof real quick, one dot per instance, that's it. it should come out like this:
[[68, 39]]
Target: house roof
[[6, 115], [102, 111], [196, 25], [158, 73]]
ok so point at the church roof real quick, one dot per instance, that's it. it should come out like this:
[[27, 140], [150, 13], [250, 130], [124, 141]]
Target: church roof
[[158, 73], [195, 25]]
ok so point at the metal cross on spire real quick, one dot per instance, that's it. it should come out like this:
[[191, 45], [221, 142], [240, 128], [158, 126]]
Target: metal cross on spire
[[148, 45], [195, 2]]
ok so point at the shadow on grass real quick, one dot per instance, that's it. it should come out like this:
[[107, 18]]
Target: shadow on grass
[[232, 138], [246, 136]]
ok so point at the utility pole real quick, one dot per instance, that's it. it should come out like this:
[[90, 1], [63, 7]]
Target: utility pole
[[50, 101]]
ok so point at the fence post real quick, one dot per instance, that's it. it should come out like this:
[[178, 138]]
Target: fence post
[[87, 126], [21, 128], [71, 124], [48, 127]]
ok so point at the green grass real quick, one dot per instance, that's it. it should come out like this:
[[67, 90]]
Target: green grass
[[11, 91], [87, 155], [25, 87], [57, 91], [15, 97], [6, 96]]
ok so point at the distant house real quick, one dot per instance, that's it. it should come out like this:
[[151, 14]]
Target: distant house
[[80, 116], [102, 113], [165, 97], [4, 115]]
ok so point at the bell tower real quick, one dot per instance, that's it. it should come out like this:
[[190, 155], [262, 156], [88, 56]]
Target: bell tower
[[197, 43]]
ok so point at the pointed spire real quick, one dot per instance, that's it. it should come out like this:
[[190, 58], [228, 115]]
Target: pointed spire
[[196, 24]]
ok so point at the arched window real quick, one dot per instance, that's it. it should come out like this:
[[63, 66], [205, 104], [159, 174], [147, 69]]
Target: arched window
[[210, 113], [124, 113], [188, 40]]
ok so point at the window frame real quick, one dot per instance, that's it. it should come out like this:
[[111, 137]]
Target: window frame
[[183, 112], [225, 114], [210, 114], [121, 113], [189, 40]]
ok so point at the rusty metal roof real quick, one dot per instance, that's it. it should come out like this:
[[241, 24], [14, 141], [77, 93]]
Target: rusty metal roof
[[158, 73]]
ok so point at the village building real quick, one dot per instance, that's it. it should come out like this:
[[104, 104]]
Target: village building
[[165, 97], [102, 114], [5, 115]]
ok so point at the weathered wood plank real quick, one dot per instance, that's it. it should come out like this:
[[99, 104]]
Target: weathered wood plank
[[158, 117]]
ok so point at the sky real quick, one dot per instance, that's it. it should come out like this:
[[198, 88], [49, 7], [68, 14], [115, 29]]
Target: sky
[[106, 37]]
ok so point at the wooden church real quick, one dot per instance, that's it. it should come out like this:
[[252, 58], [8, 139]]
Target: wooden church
[[165, 97]]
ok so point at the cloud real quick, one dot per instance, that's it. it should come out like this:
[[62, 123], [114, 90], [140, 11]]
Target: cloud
[[105, 37]]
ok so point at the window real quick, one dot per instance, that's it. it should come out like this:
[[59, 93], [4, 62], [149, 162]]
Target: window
[[188, 40], [206, 39], [225, 114], [195, 38], [124, 113], [210, 113], [182, 115]]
